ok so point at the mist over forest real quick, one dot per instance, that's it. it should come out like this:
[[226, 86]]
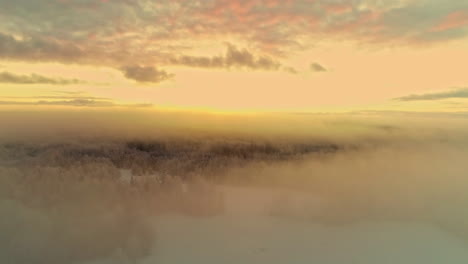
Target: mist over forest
[[86, 187]]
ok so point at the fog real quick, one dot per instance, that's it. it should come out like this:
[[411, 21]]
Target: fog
[[144, 186]]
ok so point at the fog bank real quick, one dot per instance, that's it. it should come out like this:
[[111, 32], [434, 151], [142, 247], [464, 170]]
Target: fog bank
[[173, 187]]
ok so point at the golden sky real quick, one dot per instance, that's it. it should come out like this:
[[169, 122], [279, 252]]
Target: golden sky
[[273, 55]]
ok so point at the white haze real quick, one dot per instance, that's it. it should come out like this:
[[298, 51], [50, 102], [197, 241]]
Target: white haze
[[225, 188]]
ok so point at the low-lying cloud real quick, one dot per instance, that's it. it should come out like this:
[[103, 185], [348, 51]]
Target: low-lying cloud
[[7, 77], [73, 102], [457, 93]]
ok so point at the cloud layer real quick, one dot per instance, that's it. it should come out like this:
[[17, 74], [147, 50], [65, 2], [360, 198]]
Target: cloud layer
[[161, 33]]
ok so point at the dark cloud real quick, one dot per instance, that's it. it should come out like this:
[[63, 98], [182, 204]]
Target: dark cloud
[[38, 49], [69, 101], [317, 67], [74, 102], [457, 93], [146, 74], [6, 77], [243, 58], [51, 97], [233, 58]]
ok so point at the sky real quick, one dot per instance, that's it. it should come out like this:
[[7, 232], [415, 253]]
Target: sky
[[242, 55]]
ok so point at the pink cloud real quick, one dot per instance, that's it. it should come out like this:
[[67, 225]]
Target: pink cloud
[[338, 9], [149, 32], [454, 20]]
